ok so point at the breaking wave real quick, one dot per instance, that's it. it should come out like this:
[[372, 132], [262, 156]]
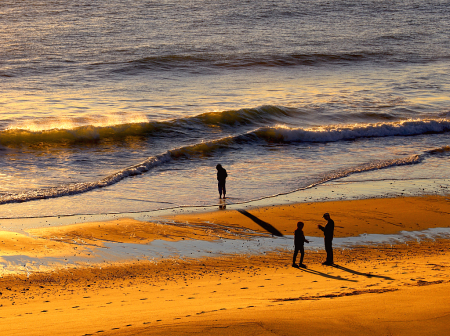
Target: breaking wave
[[352, 132], [96, 129], [257, 123]]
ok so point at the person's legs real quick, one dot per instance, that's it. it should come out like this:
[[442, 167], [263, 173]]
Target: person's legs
[[220, 189], [329, 250], [302, 255], [295, 256], [224, 190]]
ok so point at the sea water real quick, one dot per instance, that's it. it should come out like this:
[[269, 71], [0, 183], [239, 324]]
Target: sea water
[[127, 106]]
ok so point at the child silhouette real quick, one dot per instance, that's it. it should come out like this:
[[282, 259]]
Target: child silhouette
[[299, 242]]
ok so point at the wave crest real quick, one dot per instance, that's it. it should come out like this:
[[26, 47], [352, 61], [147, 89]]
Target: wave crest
[[95, 129], [195, 63], [352, 132]]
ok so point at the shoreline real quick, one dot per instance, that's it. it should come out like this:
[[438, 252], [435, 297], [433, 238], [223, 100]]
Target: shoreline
[[335, 190]]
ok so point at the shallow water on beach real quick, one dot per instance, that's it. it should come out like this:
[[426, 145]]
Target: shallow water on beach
[[162, 250]]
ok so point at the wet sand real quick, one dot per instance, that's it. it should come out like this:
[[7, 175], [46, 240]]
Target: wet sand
[[401, 289], [352, 218]]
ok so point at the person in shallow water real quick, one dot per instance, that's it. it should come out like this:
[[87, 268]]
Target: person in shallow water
[[328, 232], [221, 177], [299, 242]]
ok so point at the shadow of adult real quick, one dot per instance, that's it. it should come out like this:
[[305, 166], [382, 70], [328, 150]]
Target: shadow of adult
[[368, 275], [266, 226]]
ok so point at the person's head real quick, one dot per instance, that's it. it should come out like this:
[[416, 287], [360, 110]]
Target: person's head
[[300, 225], [219, 166], [326, 216]]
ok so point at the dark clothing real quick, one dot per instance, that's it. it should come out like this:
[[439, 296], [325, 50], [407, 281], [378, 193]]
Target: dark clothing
[[299, 238], [300, 248], [222, 189], [299, 242], [329, 250], [328, 231], [221, 177]]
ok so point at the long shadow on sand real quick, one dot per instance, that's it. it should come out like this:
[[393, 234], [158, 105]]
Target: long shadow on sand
[[369, 275], [266, 226], [325, 275]]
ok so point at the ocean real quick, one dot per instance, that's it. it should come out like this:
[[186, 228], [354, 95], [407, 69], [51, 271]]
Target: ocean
[[128, 106]]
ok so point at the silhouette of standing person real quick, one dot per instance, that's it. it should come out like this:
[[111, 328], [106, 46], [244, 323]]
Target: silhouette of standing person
[[299, 242], [221, 177], [328, 232]]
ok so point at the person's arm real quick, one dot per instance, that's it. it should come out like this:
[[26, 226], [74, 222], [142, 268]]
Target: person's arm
[[306, 240], [321, 228]]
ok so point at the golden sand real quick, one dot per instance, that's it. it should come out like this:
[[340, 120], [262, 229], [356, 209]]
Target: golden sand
[[13, 243], [128, 230], [378, 290], [352, 218]]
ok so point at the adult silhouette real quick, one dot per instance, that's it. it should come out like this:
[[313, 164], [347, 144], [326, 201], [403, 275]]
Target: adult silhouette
[[328, 231]]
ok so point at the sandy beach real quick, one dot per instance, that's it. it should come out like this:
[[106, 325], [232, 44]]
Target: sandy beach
[[389, 289], [116, 116]]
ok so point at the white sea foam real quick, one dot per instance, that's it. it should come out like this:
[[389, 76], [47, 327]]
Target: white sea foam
[[351, 132]]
